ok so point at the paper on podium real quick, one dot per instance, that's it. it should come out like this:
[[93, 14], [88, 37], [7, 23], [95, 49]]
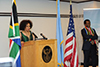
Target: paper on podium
[[7, 62], [99, 55]]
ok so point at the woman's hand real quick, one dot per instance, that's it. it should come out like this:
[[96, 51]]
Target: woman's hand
[[22, 43]]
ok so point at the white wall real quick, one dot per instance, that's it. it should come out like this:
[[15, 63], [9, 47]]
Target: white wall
[[42, 24]]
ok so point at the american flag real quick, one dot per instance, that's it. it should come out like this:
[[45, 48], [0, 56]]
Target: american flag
[[70, 53]]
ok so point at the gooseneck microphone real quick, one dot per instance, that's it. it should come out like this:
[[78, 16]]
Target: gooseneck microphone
[[35, 35], [43, 36]]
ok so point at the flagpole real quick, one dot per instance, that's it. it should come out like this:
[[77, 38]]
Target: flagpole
[[56, 8], [70, 2]]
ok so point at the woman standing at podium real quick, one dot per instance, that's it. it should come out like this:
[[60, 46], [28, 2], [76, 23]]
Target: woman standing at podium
[[26, 34]]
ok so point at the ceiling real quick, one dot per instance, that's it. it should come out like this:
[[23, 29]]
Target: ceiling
[[77, 1]]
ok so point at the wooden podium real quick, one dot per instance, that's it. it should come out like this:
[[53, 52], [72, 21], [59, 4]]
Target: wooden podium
[[40, 53]]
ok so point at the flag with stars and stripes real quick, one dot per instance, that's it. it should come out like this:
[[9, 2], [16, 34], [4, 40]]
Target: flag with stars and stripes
[[70, 52], [59, 37], [14, 36]]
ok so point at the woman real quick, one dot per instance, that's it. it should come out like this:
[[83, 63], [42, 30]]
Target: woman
[[26, 34]]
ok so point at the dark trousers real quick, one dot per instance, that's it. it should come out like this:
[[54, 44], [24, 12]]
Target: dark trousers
[[90, 53]]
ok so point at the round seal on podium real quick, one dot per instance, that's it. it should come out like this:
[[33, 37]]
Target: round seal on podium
[[47, 54]]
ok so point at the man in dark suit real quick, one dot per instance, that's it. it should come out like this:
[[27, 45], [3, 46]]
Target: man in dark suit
[[89, 43]]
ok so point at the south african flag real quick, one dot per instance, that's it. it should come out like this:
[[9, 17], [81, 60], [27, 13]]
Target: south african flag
[[14, 36]]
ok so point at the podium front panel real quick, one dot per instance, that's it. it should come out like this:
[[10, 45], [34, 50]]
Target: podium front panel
[[41, 53]]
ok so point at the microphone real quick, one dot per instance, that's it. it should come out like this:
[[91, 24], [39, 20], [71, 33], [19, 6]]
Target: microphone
[[99, 41], [43, 36], [35, 35]]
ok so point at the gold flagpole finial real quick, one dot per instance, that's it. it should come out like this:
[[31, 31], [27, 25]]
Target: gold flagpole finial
[[14, 1], [70, 2]]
